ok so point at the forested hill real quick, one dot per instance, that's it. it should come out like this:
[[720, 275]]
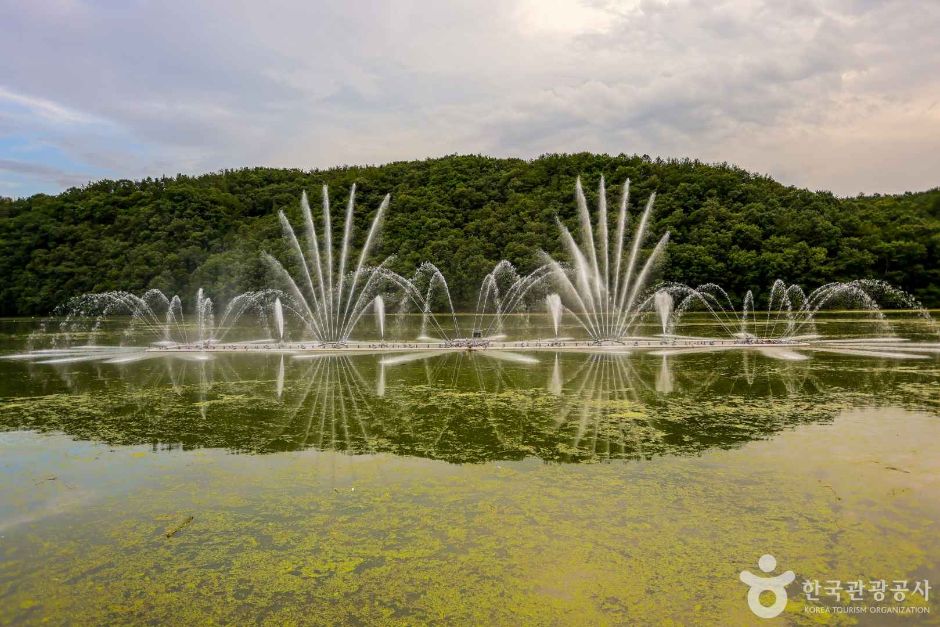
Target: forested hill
[[463, 213]]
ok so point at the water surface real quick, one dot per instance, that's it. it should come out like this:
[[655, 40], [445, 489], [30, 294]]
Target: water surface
[[461, 488]]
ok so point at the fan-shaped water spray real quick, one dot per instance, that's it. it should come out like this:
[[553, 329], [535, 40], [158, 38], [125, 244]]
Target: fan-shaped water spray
[[328, 299], [791, 313], [603, 290], [502, 292], [157, 318]]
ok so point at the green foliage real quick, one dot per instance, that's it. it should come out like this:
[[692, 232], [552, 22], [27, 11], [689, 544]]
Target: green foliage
[[463, 213]]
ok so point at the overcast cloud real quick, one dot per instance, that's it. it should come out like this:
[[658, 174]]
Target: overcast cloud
[[841, 95]]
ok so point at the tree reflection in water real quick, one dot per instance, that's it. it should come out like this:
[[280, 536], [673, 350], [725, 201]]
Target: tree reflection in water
[[458, 407]]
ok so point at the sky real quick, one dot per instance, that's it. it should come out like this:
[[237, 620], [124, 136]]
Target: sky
[[841, 95]]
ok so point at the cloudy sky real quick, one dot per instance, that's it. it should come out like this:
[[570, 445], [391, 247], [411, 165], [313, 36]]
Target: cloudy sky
[[841, 95]]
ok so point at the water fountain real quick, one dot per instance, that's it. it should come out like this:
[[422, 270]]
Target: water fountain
[[152, 317], [662, 301], [427, 286], [553, 302], [502, 292], [324, 297], [602, 294], [378, 306], [603, 289], [790, 318], [279, 319]]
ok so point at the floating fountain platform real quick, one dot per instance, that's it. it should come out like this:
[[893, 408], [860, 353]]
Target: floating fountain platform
[[479, 344]]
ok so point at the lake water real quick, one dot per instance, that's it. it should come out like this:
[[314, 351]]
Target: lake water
[[465, 488]]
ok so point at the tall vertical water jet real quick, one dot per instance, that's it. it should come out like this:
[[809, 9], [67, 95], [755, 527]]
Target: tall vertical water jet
[[174, 314], [279, 319], [378, 305], [204, 318], [553, 302], [662, 301], [747, 309]]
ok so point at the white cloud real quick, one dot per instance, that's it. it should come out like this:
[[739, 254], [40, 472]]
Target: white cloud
[[562, 17], [840, 95], [44, 109]]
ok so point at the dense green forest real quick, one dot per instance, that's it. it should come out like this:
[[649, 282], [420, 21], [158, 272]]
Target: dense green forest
[[464, 213]]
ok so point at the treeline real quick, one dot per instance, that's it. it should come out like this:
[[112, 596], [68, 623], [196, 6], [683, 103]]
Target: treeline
[[463, 213]]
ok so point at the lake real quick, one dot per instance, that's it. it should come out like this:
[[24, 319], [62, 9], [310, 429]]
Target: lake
[[466, 488]]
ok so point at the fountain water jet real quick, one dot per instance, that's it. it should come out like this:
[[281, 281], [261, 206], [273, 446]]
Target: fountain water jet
[[791, 313], [155, 314], [328, 301], [663, 303], [503, 291], [378, 306], [603, 294], [553, 302], [279, 319]]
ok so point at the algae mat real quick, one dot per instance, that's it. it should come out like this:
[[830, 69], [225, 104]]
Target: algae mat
[[326, 537]]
